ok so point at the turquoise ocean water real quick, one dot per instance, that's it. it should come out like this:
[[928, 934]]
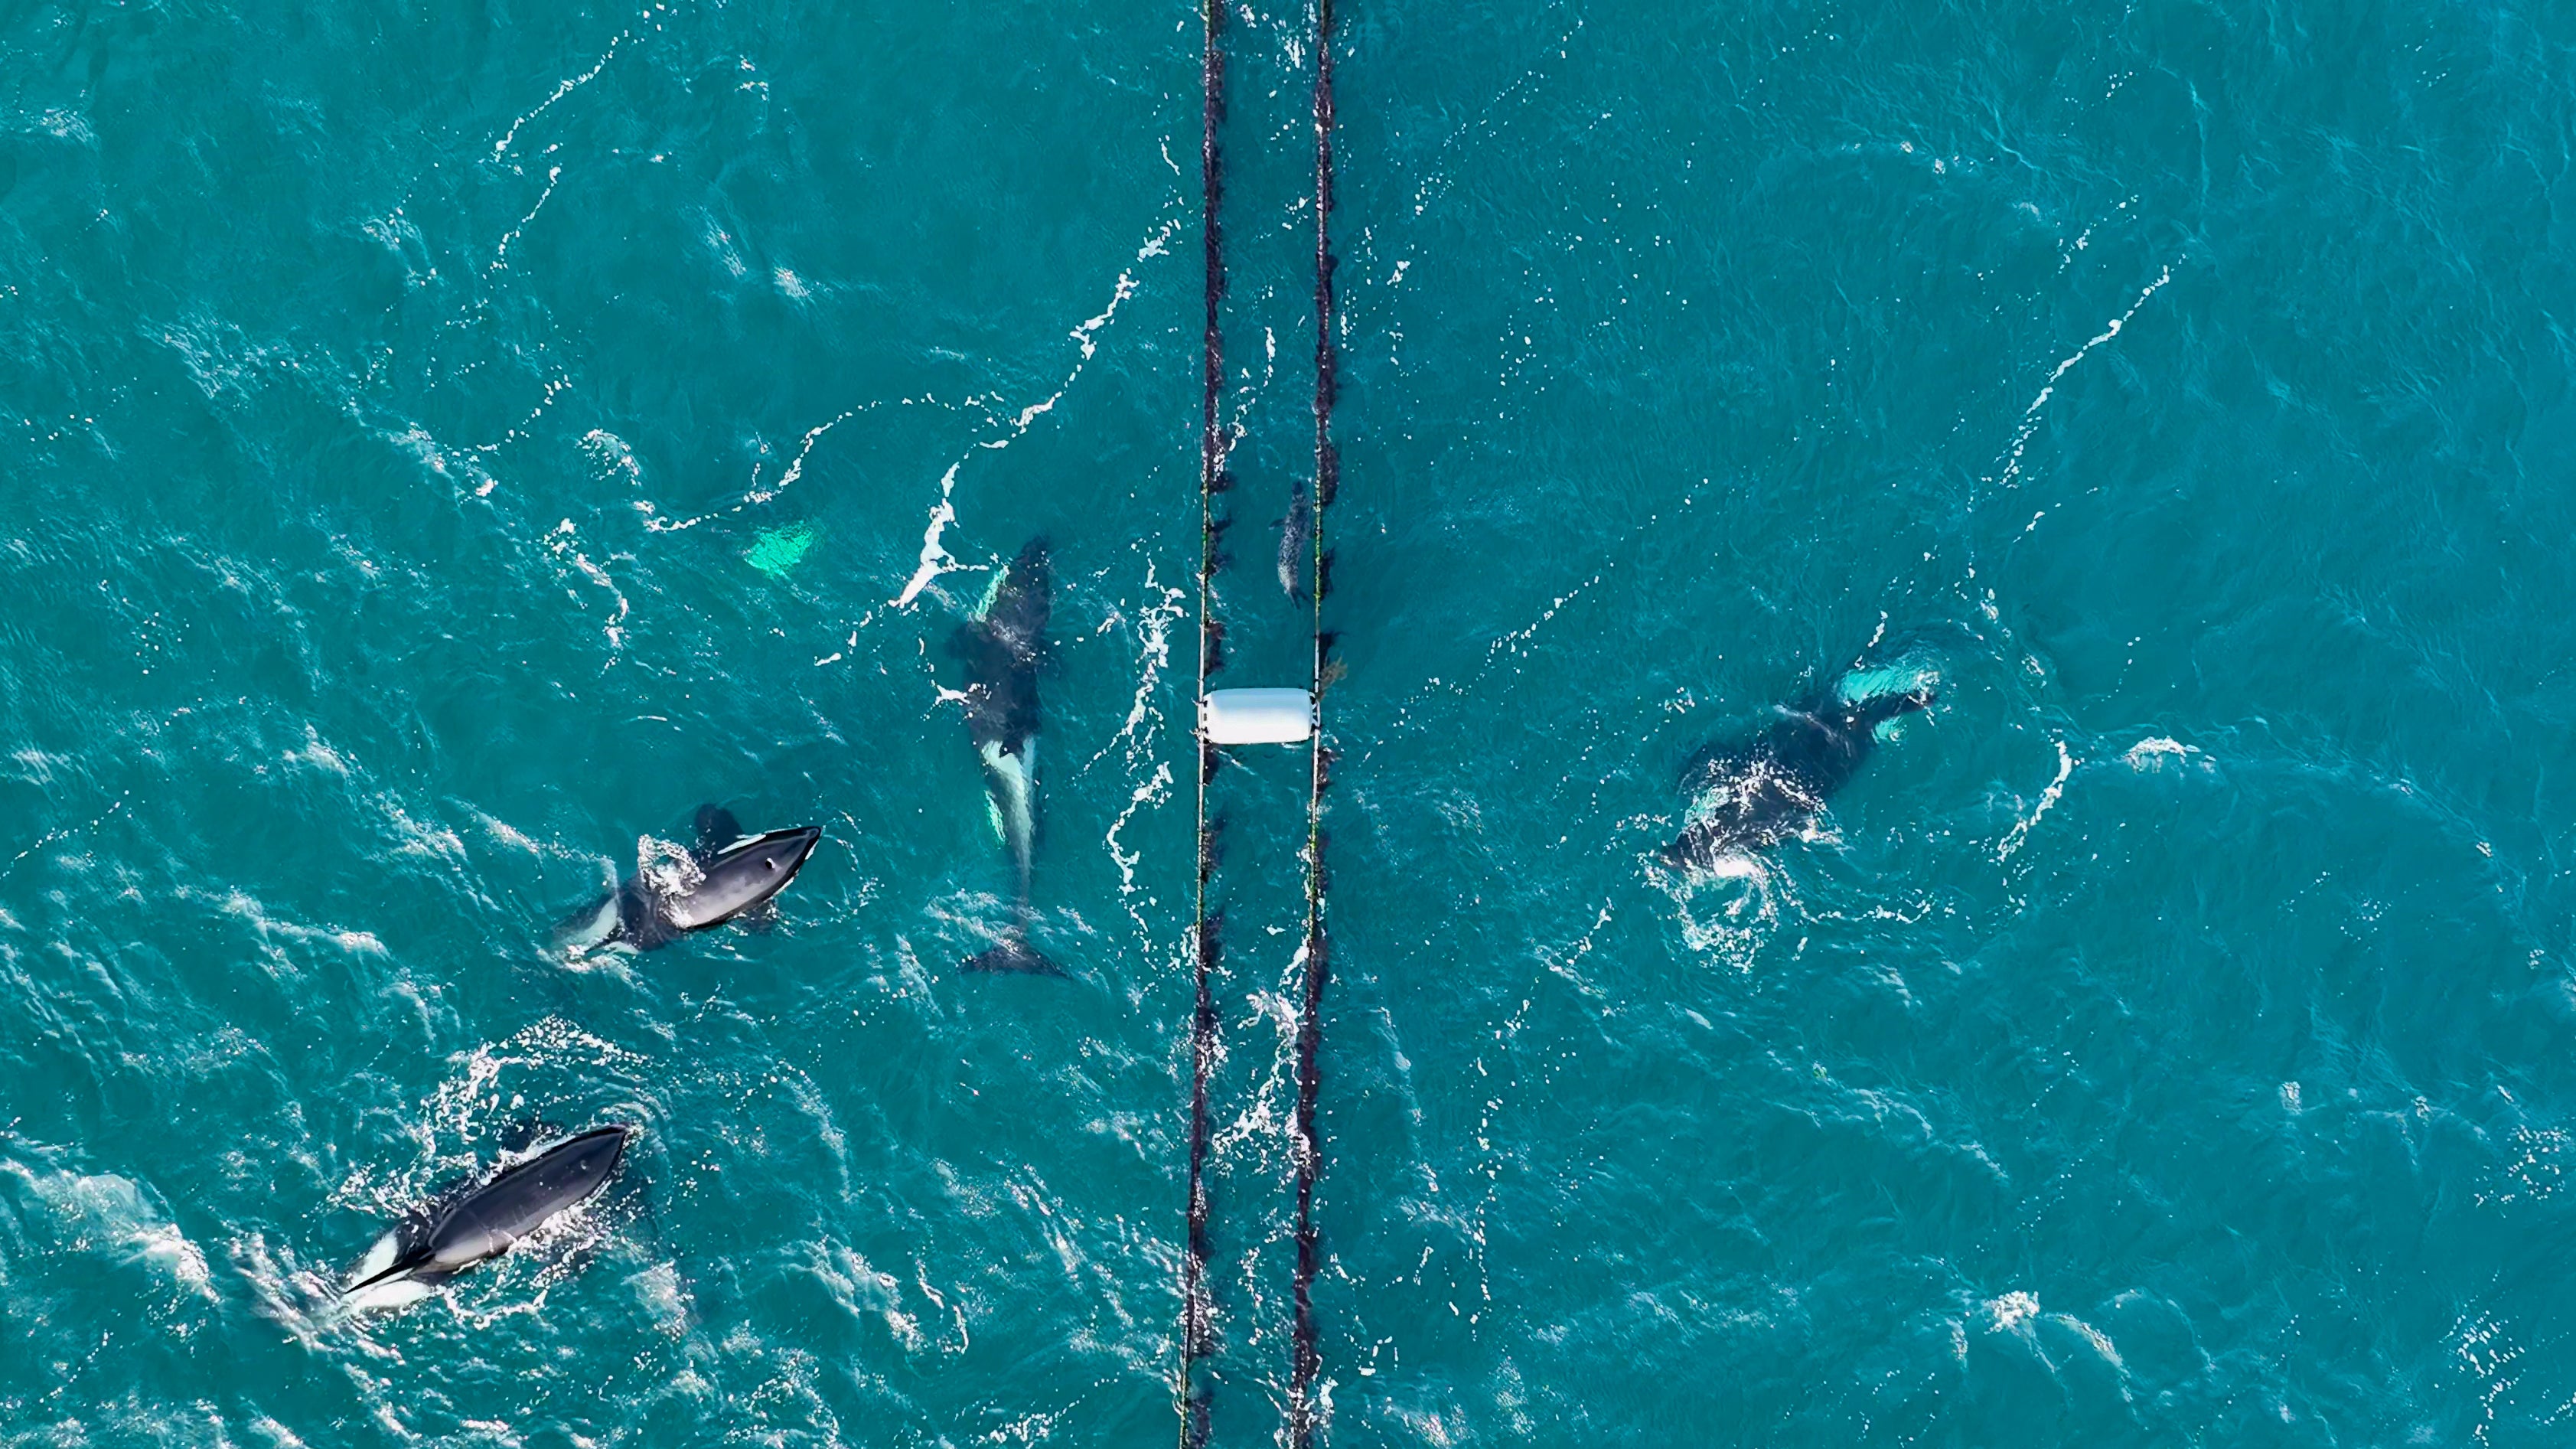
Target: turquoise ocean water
[[443, 444]]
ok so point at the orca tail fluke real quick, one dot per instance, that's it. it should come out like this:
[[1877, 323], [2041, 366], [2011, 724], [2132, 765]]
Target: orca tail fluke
[[1014, 955], [590, 928]]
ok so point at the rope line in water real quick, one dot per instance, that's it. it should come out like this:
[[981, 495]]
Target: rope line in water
[[1198, 1334], [1306, 1362], [1198, 1330]]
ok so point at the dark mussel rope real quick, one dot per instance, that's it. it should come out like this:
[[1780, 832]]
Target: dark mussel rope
[[1198, 1336], [1303, 1417]]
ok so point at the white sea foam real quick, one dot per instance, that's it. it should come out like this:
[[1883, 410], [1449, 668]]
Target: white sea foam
[[1165, 607], [1261, 1137], [1438, 175], [758, 491], [2030, 414], [65, 125], [862, 1291], [110, 1215], [1514, 642], [2539, 1166], [564, 542], [501, 254], [2011, 1311], [1748, 896], [501, 147], [415, 837], [1149, 779], [613, 455], [2155, 752], [667, 866], [935, 558], [2013, 838], [2488, 1356], [2094, 1339], [665, 1297], [1155, 791]]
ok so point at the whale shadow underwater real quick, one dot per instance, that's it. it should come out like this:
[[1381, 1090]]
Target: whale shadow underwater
[[1002, 645], [1749, 793], [481, 1222], [730, 877]]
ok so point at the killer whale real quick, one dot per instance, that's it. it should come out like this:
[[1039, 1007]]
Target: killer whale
[[732, 876], [482, 1222], [1748, 794], [1002, 644]]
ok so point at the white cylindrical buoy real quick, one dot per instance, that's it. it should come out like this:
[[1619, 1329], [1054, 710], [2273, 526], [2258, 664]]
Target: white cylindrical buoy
[[1257, 716]]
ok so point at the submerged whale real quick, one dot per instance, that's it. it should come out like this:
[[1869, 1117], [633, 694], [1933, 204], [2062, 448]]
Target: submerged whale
[[1003, 643], [1748, 794], [482, 1222], [730, 876]]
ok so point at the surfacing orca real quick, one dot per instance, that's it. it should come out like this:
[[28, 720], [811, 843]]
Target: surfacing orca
[[1750, 793], [729, 876], [1003, 643], [481, 1223]]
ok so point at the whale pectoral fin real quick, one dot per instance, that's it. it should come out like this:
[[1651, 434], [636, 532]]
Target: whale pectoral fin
[[761, 919], [593, 926], [716, 829]]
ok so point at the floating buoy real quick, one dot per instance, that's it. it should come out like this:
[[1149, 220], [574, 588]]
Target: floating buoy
[[1257, 716]]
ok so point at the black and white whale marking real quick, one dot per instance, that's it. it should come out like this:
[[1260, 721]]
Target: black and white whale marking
[[483, 1222], [1749, 794], [730, 876], [1003, 644]]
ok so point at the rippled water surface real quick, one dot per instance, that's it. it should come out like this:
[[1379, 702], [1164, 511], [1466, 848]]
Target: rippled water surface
[[442, 445]]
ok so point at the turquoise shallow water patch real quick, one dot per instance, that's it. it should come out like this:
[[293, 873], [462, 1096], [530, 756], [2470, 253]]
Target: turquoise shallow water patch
[[2168, 1038], [778, 550]]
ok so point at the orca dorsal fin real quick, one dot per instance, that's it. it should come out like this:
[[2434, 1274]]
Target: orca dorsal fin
[[716, 829]]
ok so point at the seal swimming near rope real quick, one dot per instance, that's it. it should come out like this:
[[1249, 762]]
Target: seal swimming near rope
[[1749, 794], [1296, 531]]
